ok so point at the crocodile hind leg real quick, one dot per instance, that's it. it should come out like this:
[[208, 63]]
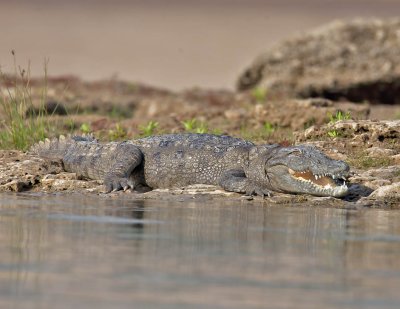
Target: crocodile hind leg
[[236, 181], [126, 158]]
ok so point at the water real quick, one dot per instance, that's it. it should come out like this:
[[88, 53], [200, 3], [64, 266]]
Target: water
[[91, 252]]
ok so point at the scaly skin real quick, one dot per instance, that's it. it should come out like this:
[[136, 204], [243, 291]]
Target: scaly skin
[[177, 160]]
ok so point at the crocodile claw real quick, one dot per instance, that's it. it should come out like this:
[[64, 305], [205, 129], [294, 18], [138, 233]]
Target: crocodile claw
[[117, 184], [260, 191]]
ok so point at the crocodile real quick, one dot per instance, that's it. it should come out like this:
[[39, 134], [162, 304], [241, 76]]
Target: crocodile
[[178, 160]]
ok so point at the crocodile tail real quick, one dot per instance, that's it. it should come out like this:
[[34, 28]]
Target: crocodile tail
[[56, 148], [53, 149]]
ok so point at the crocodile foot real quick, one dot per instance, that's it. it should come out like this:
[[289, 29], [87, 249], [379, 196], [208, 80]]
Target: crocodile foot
[[257, 190], [118, 183]]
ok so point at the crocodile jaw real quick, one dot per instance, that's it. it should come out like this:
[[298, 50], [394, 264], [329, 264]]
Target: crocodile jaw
[[325, 184]]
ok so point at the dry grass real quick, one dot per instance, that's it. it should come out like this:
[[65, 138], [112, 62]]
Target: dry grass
[[21, 125]]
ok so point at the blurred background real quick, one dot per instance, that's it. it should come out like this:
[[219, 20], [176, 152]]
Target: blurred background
[[173, 44]]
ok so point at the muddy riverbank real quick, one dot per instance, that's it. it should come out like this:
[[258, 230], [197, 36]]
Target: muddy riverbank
[[370, 147], [364, 133]]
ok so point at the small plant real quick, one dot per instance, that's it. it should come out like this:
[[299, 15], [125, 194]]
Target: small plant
[[189, 125], [195, 126], [259, 94], [335, 118], [85, 128], [333, 133], [339, 116], [268, 128], [118, 133], [20, 129], [202, 128], [149, 128]]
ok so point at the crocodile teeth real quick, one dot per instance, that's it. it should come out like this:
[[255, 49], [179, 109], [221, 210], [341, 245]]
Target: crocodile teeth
[[324, 183], [323, 180]]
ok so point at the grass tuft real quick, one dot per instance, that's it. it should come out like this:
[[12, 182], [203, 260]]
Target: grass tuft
[[19, 129], [333, 133], [195, 126], [333, 118], [117, 133], [339, 116], [268, 128], [149, 128], [85, 128]]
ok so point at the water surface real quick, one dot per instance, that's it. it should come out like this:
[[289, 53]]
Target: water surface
[[63, 251]]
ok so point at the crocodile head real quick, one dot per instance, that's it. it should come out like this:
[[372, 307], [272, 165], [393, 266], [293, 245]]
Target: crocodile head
[[300, 169]]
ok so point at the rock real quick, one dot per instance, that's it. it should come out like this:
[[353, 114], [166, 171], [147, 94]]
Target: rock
[[16, 186], [370, 183], [62, 175], [392, 190], [396, 159], [70, 185], [358, 60], [20, 171], [379, 183], [377, 152]]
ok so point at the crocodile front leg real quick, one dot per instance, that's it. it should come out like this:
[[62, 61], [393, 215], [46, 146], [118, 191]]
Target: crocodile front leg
[[126, 158], [236, 181]]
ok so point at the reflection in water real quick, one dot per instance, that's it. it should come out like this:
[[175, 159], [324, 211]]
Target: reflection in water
[[138, 213], [65, 251]]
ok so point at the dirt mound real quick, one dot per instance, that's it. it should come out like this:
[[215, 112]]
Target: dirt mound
[[367, 132], [358, 61], [299, 114]]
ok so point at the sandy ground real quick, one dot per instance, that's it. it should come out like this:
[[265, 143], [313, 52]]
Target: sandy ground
[[172, 44]]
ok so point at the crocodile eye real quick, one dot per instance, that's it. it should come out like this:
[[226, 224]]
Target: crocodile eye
[[296, 153]]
